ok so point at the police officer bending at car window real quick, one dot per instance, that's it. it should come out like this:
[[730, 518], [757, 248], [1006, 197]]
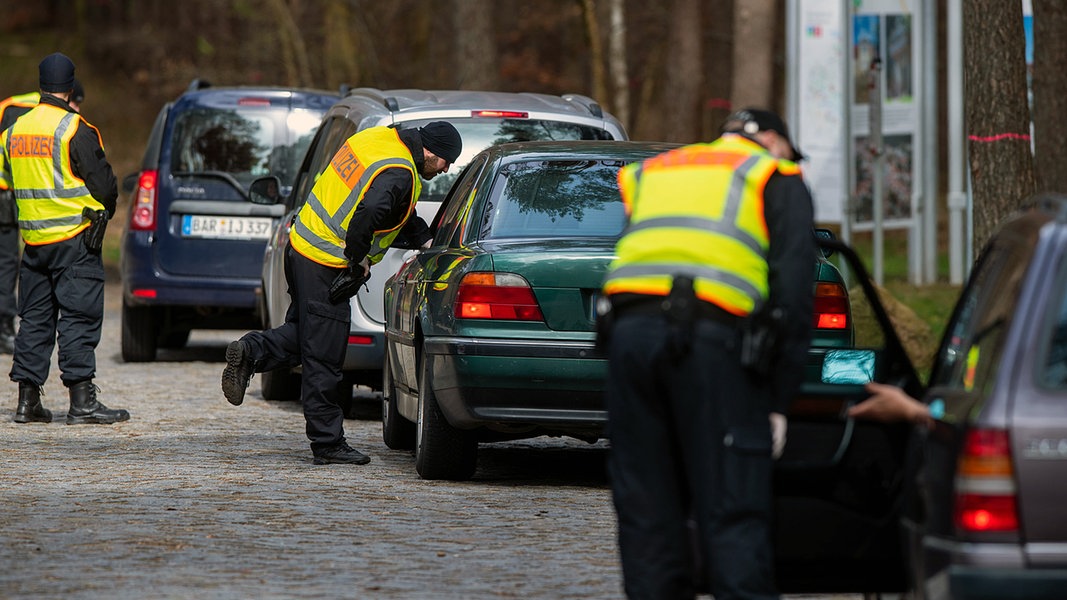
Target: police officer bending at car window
[[359, 205], [65, 190], [717, 262]]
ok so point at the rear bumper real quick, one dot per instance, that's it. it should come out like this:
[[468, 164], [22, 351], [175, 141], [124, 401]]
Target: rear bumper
[[984, 583], [554, 385], [989, 571]]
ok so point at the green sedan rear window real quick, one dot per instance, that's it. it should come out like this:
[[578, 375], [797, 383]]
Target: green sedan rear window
[[557, 199]]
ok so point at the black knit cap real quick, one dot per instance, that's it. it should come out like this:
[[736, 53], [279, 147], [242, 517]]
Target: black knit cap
[[754, 120], [441, 138], [56, 73]]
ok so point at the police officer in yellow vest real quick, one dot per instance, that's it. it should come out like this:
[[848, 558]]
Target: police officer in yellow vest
[[719, 232], [54, 161], [359, 205], [11, 109]]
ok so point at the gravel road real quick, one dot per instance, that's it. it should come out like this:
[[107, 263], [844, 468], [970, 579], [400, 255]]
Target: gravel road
[[194, 498]]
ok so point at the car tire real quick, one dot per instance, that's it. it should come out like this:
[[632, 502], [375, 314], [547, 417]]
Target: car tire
[[398, 433], [280, 385], [441, 450], [140, 332]]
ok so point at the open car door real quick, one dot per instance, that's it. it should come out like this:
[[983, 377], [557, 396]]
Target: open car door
[[839, 484]]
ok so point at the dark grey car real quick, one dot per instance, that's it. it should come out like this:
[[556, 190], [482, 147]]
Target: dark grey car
[[986, 517]]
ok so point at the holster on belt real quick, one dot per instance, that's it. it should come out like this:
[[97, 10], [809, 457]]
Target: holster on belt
[[94, 235], [680, 308], [761, 332], [347, 284], [9, 210]]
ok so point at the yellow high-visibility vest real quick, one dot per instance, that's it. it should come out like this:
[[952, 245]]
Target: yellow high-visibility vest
[[36, 155], [698, 211], [320, 227], [27, 101]]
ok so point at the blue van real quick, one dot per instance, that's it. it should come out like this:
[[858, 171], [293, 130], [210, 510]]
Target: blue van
[[192, 250]]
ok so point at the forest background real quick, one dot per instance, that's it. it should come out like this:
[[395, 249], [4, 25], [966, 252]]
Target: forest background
[[670, 70]]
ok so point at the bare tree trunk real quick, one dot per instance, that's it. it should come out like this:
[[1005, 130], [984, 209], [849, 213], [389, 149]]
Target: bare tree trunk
[[619, 66], [596, 49], [1050, 94], [340, 47], [294, 50], [475, 45], [685, 72], [753, 56], [998, 117]]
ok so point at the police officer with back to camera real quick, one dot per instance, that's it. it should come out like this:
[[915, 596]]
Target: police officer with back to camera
[[11, 109], [707, 329], [65, 190], [360, 205]]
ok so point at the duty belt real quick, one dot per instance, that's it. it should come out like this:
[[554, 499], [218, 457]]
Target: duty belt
[[640, 304]]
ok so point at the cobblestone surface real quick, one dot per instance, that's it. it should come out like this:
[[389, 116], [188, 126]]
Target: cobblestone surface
[[194, 498]]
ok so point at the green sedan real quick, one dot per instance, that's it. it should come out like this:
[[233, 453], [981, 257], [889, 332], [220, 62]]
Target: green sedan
[[490, 330]]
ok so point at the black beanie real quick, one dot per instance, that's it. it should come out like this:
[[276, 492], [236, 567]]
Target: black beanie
[[56, 73], [442, 139]]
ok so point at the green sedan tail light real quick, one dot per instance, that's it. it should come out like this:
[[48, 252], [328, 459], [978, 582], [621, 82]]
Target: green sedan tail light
[[831, 306], [501, 296]]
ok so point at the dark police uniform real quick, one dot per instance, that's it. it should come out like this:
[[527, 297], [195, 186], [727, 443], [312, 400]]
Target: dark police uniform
[[718, 232], [359, 205], [10, 109], [54, 161]]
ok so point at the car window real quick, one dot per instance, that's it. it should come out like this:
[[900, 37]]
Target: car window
[[449, 216], [334, 132], [1053, 363], [557, 198], [208, 139], [971, 350], [480, 133]]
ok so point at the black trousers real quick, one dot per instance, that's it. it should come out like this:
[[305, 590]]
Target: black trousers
[[9, 270], [314, 335], [690, 437], [61, 297]]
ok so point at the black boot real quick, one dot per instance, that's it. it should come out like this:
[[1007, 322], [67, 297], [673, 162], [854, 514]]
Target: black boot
[[84, 407], [30, 409]]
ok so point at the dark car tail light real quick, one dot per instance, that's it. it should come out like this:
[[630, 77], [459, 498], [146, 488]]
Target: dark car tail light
[[831, 306], [500, 114], [985, 483], [143, 213], [504, 296]]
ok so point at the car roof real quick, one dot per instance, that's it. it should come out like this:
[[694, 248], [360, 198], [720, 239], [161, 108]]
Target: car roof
[[578, 149], [399, 105], [233, 95]]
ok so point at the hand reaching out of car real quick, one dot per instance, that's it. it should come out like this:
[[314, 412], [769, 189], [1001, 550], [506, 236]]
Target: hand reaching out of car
[[890, 404], [779, 424]]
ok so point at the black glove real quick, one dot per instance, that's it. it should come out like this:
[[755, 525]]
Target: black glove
[[94, 235], [347, 283]]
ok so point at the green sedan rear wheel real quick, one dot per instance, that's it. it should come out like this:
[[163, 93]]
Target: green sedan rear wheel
[[441, 451], [397, 432]]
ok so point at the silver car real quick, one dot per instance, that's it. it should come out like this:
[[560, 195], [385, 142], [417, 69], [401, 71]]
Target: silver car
[[483, 119]]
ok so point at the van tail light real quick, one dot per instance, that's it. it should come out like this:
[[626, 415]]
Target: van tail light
[[502, 296], [143, 209], [985, 483], [831, 306]]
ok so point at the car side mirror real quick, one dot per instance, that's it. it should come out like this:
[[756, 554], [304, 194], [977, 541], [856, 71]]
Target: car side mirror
[[266, 190], [129, 182], [825, 234]]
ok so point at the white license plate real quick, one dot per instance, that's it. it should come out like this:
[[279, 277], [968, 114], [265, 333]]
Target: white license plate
[[227, 228]]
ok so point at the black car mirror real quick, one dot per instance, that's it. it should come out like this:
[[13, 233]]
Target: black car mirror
[[266, 190], [825, 234], [129, 182]]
